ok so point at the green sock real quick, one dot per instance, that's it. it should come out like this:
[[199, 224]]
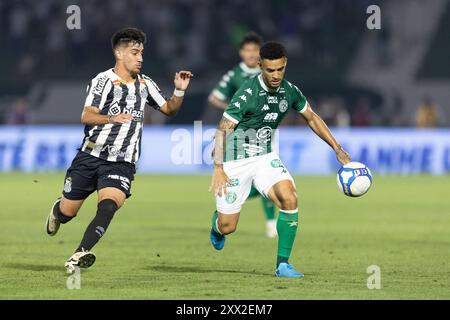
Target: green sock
[[215, 222], [269, 208], [287, 225]]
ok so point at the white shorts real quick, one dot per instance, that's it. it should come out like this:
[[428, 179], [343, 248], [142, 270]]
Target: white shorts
[[261, 171]]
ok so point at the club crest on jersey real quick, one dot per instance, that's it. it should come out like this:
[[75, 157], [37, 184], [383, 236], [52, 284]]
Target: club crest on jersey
[[283, 105], [68, 185], [117, 93]]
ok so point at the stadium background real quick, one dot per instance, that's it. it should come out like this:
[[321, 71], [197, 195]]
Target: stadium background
[[385, 94]]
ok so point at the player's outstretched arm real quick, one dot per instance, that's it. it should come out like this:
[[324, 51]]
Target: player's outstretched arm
[[91, 116], [181, 81], [219, 178], [321, 129]]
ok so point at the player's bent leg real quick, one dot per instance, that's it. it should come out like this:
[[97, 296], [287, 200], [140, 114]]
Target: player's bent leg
[[109, 201], [62, 211], [284, 195], [221, 225]]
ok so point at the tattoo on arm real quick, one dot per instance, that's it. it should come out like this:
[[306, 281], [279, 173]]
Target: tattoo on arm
[[225, 127]]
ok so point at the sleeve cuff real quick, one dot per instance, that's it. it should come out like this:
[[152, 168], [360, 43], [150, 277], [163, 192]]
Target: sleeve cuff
[[305, 107], [226, 115], [219, 95]]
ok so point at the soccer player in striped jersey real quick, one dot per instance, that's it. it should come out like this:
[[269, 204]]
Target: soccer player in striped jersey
[[113, 116], [224, 91]]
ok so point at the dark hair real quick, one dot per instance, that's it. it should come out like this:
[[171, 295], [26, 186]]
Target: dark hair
[[251, 37], [272, 50], [128, 35]]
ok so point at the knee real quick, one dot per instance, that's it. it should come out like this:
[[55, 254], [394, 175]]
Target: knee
[[227, 228], [108, 206], [289, 202], [68, 211]]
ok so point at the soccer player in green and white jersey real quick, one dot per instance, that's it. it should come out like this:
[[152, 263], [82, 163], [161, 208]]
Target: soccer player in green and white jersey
[[243, 154], [224, 91]]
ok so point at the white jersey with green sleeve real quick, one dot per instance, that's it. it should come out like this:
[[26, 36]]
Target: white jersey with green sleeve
[[257, 112], [232, 81]]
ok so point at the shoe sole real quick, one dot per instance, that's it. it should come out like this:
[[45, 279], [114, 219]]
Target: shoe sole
[[48, 219], [86, 261]]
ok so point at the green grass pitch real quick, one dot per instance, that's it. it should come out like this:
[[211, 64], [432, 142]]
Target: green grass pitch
[[157, 246]]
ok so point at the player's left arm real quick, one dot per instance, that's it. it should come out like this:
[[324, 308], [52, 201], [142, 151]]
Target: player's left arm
[[319, 127], [181, 81]]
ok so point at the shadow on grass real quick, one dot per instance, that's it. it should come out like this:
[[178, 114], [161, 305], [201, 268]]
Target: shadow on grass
[[32, 267], [187, 269]]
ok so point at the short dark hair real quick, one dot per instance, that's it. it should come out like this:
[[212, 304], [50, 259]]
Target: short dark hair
[[251, 37], [128, 35], [272, 50]]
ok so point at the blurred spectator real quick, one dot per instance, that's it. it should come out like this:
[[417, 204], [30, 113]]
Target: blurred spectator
[[426, 114], [361, 113], [19, 113]]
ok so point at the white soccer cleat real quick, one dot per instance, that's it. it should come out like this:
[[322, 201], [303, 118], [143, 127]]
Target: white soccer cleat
[[53, 223], [81, 259], [271, 228]]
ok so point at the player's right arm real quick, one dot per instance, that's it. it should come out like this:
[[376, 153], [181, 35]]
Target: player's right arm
[[220, 179], [97, 91], [91, 116]]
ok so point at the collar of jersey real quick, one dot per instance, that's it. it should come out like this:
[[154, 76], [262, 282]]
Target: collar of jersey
[[248, 70], [263, 85], [120, 79]]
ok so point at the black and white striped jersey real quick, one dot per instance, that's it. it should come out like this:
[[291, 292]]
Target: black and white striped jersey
[[108, 92]]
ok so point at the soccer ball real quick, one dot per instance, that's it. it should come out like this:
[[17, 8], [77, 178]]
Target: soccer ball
[[354, 179]]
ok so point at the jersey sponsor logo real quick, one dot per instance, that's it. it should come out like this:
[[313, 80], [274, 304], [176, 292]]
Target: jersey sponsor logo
[[272, 99], [114, 151], [283, 105], [114, 109], [271, 117], [124, 181], [264, 134], [276, 163], [100, 85], [249, 91], [265, 107], [234, 182], [131, 97]]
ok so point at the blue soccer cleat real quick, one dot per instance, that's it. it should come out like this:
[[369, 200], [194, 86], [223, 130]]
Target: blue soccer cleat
[[287, 270], [217, 240]]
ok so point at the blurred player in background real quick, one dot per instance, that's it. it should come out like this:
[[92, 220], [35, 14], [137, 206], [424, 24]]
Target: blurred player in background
[[243, 154], [224, 91], [113, 117]]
